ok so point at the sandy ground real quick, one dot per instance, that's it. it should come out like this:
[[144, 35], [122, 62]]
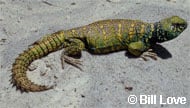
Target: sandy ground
[[103, 81]]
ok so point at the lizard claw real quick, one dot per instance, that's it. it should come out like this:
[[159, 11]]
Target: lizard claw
[[72, 61], [150, 54]]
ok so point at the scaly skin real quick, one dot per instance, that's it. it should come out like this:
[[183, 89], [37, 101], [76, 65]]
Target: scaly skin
[[100, 37]]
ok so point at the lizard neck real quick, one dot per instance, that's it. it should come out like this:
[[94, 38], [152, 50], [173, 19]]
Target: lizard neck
[[158, 34]]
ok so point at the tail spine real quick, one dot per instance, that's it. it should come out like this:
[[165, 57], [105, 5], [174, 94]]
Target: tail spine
[[37, 50]]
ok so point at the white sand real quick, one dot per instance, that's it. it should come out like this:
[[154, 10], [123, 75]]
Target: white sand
[[102, 83]]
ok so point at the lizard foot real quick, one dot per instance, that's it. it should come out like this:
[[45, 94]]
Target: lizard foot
[[150, 54], [72, 61]]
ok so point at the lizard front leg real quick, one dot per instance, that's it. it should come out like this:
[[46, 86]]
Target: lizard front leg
[[140, 49], [74, 47]]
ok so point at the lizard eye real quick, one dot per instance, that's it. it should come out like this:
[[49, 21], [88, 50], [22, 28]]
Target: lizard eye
[[181, 27], [178, 26]]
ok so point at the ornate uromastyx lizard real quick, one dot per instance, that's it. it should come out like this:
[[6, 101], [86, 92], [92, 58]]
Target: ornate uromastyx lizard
[[99, 37]]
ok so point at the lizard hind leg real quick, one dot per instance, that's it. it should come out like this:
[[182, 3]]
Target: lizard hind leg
[[74, 47]]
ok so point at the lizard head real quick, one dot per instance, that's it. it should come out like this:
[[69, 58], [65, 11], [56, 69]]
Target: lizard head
[[169, 28]]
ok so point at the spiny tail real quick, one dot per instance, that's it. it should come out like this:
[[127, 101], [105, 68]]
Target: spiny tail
[[39, 49]]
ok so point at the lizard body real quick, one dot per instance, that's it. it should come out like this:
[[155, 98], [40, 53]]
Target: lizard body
[[99, 37]]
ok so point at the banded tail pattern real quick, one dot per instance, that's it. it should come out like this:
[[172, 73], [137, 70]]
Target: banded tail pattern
[[39, 49]]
